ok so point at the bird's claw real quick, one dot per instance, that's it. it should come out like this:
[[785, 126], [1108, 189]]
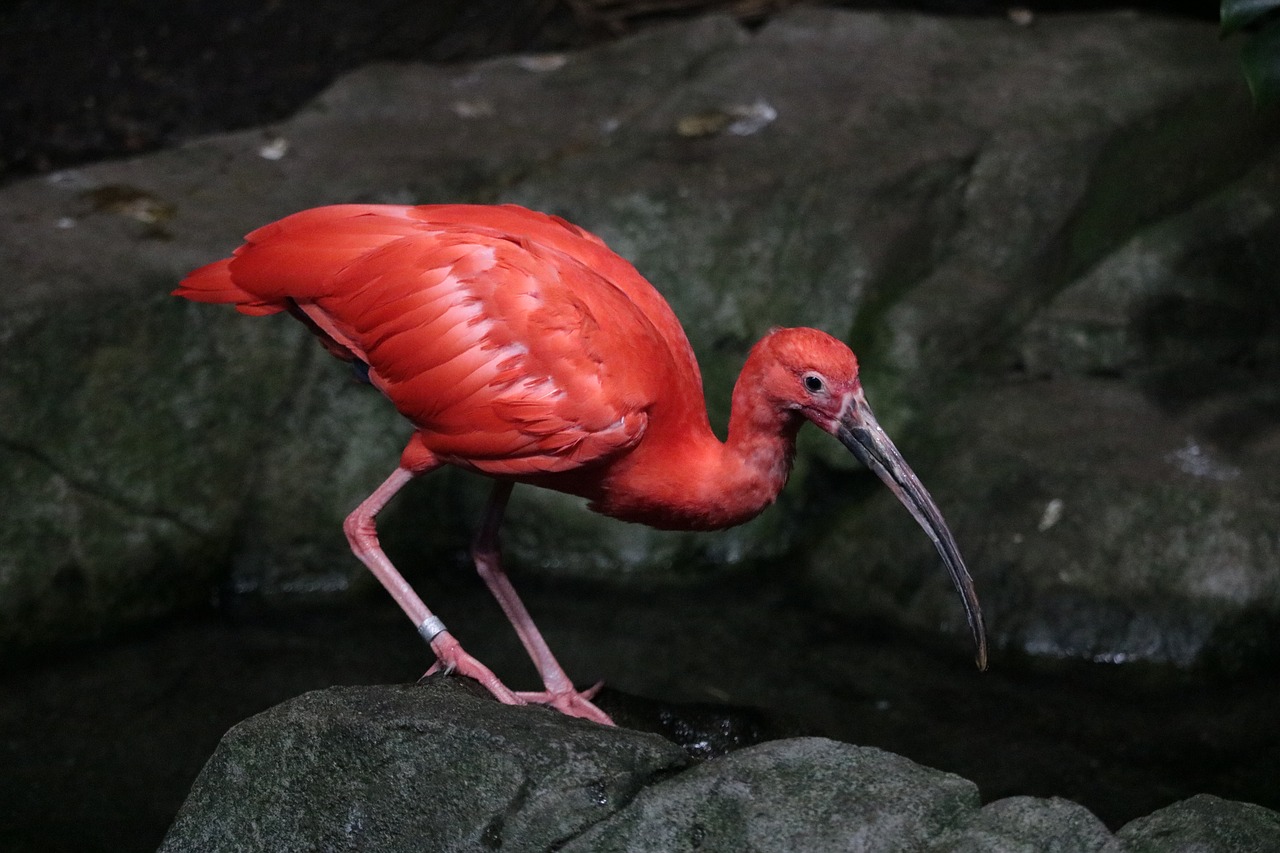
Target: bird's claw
[[450, 658], [574, 703], [436, 669]]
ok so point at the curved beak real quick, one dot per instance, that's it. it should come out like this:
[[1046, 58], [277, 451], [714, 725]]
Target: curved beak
[[859, 431]]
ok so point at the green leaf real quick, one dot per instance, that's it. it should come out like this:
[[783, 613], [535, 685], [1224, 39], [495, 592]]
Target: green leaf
[[1261, 59], [1237, 14]]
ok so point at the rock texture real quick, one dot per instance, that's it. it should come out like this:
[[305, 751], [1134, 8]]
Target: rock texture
[[800, 794], [435, 768], [412, 769], [1050, 244], [1206, 823], [1031, 825]]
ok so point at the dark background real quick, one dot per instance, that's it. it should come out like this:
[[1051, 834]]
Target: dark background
[[81, 81]]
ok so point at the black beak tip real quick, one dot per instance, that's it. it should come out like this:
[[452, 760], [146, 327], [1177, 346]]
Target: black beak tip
[[877, 452], [979, 629]]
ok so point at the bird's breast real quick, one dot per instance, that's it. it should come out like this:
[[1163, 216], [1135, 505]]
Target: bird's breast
[[692, 484]]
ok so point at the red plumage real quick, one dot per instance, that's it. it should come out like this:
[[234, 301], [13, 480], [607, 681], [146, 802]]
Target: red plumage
[[518, 345], [495, 330]]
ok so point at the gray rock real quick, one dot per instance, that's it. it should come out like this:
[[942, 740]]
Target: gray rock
[[1123, 494], [1111, 477], [1030, 825], [1023, 255], [1204, 824], [412, 768], [800, 794], [438, 767], [435, 768]]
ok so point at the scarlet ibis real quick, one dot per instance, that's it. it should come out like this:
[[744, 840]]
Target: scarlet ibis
[[519, 346]]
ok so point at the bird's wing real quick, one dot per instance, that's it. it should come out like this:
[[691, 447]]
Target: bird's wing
[[588, 250], [499, 355], [517, 343]]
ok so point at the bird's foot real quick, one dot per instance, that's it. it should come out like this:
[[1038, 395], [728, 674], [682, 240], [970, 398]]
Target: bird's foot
[[573, 703], [451, 658]]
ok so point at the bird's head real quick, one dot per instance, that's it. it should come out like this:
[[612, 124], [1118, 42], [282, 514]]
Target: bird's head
[[815, 376], [809, 374]]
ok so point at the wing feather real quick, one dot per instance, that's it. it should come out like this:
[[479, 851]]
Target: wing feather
[[516, 343]]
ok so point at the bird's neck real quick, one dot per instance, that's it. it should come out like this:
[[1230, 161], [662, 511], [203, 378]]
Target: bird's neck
[[683, 477], [721, 484], [755, 461]]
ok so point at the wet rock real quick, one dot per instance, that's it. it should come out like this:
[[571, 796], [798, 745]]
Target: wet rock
[[701, 729], [1205, 824], [1053, 268]]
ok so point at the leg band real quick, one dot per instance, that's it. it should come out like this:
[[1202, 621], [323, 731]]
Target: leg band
[[431, 628]]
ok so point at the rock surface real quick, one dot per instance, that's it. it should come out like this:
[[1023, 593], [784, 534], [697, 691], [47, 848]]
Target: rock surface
[[1050, 246], [434, 767], [412, 769], [1206, 823], [799, 794], [1031, 824]]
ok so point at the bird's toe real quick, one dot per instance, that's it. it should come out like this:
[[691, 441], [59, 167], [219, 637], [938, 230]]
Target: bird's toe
[[571, 703]]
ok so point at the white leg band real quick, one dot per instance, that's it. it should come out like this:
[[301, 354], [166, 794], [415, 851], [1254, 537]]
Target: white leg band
[[431, 628]]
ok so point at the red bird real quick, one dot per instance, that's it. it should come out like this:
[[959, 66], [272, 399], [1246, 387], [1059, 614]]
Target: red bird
[[519, 346]]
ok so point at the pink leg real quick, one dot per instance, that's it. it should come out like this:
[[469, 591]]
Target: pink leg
[[363, 537], [560, 693]]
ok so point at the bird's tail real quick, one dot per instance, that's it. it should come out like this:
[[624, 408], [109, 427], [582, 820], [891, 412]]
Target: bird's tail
[[214, 283]]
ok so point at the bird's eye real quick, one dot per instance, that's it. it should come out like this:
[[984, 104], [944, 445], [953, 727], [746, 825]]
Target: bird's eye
[[813, 383]]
